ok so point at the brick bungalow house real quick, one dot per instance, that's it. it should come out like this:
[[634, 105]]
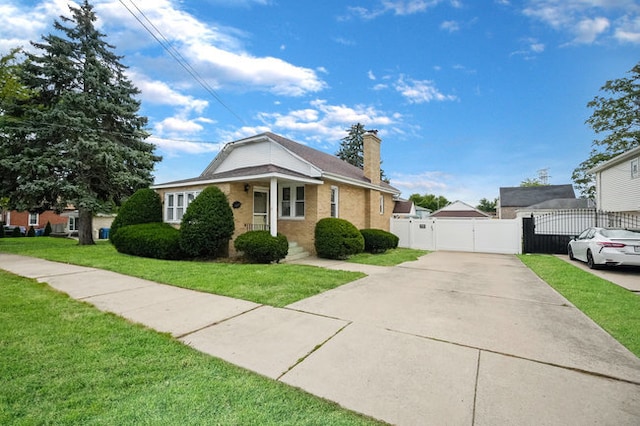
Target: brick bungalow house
[[276, 184]]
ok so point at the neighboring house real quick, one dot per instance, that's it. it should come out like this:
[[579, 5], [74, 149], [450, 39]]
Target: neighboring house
[[513, 199], [65, 223], [460, 210], [277, 184], [404, 209], [618, 183], [37, 220]]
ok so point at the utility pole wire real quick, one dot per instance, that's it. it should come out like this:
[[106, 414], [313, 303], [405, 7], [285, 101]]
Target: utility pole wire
[[177, 56]]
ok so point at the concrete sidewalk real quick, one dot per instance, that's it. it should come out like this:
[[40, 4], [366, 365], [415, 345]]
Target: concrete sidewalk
[[453, 338]]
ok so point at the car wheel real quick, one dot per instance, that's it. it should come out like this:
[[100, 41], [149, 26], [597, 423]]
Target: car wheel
[[590, 261], [571, 256]]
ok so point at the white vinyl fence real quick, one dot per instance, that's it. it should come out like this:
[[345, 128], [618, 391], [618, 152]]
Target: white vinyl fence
[[484, 236]]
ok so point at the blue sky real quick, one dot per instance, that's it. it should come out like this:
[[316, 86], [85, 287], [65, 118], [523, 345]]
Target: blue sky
[[468, 96]]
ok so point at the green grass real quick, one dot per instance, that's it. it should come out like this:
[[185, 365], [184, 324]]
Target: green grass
[[275, 285], [388, 258], [64, 362], [614, 308]]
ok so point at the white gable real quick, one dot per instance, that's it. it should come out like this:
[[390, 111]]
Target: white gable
[[265, 152], [457, 206]]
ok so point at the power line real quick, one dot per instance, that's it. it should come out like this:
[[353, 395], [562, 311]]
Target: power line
[[177, 56]]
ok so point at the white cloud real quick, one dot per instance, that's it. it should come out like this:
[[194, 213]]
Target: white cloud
[[174, 147], [531, 48], [177, 126], [215, 52], [323, 122], [587, 20], [628, 30], [420, 91], [395, 7], [159, 93], [451, 26], [371, 75], [587, 30]]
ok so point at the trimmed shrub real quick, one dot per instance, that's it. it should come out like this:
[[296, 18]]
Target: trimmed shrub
[[156, 240], [337, 238], [2, 230], [378, 240], [16, 232], [47, 229], [144, 206], [207, 225], [261, 247], [31, 232]]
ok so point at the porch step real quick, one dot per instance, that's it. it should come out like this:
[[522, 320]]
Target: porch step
[[295, 252]]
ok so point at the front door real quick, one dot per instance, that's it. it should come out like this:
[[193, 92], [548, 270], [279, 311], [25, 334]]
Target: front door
[[260, 209]]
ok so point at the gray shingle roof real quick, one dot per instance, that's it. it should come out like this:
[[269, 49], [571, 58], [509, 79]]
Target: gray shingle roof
[[326, 162], [519, 196]]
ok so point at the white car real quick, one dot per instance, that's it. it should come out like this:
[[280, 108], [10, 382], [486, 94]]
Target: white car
[[606, 246]]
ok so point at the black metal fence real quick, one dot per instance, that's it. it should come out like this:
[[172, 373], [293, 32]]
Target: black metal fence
[[551, 232]]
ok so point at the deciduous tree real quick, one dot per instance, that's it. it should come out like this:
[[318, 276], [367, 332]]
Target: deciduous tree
[[616, 116]]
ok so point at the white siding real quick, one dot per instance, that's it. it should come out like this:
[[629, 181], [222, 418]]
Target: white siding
[[261, 153], [617, 190]]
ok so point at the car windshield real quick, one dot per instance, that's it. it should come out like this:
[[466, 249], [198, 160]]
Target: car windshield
[[620, 233]]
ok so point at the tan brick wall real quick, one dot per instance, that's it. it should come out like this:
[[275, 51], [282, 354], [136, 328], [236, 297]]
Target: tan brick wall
[[508, 212], [353, 205]]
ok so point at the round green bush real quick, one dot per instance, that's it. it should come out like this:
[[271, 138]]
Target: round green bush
[[261, 247], [337, 238], [378, 240], [156, 240], [2, 230], [47, 229], [31, 232], [16, 232], [144, 206], [207, 225]]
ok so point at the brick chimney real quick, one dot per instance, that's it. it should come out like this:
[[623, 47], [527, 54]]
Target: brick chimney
[[371, 156]]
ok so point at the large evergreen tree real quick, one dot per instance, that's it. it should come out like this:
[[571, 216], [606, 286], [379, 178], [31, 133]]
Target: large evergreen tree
[[81, 141], [352, 148], [618, 117]]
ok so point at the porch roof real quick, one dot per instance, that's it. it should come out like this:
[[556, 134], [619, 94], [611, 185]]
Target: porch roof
[[265, 172]]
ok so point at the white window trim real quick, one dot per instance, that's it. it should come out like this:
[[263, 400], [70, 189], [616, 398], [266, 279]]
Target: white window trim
[[335, 193], [635, 168], [175, 207], [72, 223], [293, 202], [37, 219]]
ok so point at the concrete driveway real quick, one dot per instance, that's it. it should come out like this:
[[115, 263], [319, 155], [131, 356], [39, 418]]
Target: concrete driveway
[[453, 338], [468, 338]]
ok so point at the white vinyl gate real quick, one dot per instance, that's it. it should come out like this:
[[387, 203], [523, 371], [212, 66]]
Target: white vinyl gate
[[484, 236]]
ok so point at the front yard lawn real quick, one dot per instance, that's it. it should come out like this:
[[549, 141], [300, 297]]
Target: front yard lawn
[[614, 308], [65, 362], [276, 285], [389, 258]]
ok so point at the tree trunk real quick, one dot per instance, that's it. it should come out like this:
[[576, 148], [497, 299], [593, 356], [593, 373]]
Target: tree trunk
[[85, 227]]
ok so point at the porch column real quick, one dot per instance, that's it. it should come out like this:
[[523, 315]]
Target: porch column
[[273, 206]]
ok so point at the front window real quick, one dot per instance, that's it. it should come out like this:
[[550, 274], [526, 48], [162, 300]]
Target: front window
[[635, 168], [292, 201], [381, 204], [176, 203], [73, 223], [334, 201], [33, 219]]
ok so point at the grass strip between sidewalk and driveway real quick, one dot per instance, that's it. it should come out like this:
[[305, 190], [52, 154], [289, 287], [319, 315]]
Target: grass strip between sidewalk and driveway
[[276, 285], [389, 258], [612, 307], [66, 362]]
